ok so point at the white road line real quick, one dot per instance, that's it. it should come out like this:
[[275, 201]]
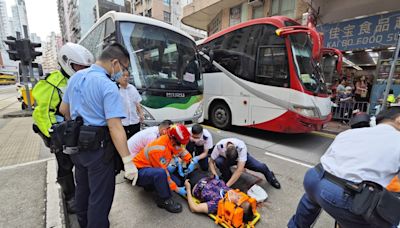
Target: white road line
[[289, 160], [24, 164]]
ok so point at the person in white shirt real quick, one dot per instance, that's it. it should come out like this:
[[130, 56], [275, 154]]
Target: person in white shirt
[[131, 100], [201, 143], [233, 151], [140, 140], [356, 155]]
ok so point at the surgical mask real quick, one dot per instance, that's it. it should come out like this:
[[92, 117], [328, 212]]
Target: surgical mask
[[118, 75]]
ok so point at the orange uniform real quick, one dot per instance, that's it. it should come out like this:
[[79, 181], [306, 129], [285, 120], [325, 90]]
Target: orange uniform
[[158, 154]]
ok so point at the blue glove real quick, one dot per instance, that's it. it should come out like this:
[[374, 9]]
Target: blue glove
[[216, 177], [171, 168], [191, 167], [195, 160], [181, 191], [180, 168]]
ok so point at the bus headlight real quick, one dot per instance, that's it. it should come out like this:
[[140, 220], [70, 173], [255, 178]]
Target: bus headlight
[[199, 111], [146, 114], [307, 112]]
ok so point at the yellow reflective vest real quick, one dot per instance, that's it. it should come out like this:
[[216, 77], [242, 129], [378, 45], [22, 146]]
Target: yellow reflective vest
[[48, 95]]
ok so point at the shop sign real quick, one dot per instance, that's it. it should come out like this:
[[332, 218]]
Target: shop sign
[[376, 31]]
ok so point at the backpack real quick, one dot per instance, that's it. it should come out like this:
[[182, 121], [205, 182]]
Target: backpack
[[231, 214], [48, 95]]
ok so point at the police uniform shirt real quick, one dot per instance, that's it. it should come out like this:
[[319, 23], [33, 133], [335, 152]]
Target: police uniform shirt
[[130, 97], [139, 140], [205, 140], [220, 149], [93, 96], [371, 154]]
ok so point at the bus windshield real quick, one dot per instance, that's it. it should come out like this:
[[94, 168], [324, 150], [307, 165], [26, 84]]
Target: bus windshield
[[161, 59], [309, 70]]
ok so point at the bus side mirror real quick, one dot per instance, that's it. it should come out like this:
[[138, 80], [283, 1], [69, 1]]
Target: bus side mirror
[[312, 33]]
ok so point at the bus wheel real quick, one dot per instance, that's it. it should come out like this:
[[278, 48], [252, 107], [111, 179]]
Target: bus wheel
[[221, 116]]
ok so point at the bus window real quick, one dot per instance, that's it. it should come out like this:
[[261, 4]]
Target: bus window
[[94, 40], [160, 58], [272, 66]]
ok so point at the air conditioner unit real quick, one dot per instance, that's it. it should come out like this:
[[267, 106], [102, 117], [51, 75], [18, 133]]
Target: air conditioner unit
[[255, 2]]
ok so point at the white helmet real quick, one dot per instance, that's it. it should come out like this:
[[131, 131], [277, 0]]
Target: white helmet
[[74, 53]]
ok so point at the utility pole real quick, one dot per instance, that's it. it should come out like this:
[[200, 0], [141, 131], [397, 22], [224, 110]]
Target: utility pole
[[392, 69], [24, 51]]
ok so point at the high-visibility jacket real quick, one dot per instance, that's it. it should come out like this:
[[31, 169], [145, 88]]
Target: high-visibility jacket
[[48, 95], [391, 98], [158, 154], [394, 185]]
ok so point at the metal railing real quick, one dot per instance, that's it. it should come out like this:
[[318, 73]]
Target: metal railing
[[345, 110]]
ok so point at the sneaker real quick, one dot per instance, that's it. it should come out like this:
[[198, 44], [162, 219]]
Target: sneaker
[[170, 205], [274, 182]]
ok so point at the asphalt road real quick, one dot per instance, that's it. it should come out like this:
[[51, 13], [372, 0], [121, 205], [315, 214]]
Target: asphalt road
[[289, 156]]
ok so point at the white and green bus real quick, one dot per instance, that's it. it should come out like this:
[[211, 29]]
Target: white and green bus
[[164, 64]]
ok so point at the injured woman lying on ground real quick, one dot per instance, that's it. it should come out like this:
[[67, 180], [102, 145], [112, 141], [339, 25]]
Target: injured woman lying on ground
[[210, 191]]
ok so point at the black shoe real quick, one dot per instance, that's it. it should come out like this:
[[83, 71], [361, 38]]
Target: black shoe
[[274, 182], [170, 205]]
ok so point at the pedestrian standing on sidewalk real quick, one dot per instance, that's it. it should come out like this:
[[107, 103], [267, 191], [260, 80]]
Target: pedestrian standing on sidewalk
[[92, 97], [353, 169], [232, 151], [48, 94], [131, 100]]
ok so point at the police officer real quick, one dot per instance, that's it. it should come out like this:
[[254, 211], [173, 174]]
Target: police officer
[[356, 155], [48, 94], [93, 95]]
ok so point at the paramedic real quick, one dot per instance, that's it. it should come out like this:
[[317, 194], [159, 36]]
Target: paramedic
[[200, 145]]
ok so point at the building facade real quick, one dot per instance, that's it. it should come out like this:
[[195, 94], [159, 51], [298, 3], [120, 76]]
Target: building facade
[[215, 15], [4, 24], [50, 49], [77, 16], [20, 20], [169, 11], [366, 32]]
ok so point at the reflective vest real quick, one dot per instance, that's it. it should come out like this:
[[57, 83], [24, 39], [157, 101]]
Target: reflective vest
[[391, 98], [48, 95], [158, 154]]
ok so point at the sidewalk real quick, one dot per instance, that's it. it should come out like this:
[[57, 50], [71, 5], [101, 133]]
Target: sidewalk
[[29, 194]]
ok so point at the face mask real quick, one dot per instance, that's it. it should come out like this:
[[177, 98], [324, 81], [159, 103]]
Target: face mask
[[118, 75]]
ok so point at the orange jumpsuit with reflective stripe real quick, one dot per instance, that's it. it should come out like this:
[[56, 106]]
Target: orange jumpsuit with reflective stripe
[[158, 154], [394, 185]]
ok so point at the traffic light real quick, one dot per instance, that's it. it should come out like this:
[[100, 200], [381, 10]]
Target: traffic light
[[35, 53], [24, 50], [12, 48]]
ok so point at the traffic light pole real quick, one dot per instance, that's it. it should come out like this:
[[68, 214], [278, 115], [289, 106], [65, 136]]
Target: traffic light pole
[[25, 75]]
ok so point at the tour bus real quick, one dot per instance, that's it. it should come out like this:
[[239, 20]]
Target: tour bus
[[265, 73], [164, 64]]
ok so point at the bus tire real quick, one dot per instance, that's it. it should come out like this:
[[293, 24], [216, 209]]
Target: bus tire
[[221, 116]]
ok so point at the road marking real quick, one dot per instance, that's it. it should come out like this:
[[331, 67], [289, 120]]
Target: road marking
[[25, 164], [289, 160], [211, 127], [323, 134]]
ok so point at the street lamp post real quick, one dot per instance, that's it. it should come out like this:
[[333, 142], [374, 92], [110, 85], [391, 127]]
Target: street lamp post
[[392, 69]]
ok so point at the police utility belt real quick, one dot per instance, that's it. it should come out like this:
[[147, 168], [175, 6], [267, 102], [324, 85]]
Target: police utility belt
[[74, 137], [373, 202]]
